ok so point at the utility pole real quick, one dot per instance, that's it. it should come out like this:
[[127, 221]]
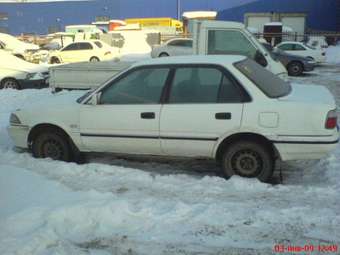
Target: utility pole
[[178, 9]]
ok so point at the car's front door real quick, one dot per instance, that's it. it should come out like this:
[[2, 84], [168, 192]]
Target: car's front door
[[126, 119], [205, 102], [69, 53]]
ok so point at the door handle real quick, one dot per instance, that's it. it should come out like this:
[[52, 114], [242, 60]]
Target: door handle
[[147, 115], [223, 116]]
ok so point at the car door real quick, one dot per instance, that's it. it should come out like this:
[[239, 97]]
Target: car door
[[85, 51], [204, 103], [69, 53], [287, 47], [300, 50], [126, 119]]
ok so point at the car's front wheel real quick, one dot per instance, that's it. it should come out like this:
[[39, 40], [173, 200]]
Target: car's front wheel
[[94, 59], [51, 144], [295, 69], [248, 159], [54, 60], [163, 55]]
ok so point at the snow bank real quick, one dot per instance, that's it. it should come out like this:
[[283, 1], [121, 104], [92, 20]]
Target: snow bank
[[50, 207], [333, 54]]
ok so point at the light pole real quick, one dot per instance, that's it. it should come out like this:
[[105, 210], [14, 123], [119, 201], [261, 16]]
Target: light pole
[[178, 9]]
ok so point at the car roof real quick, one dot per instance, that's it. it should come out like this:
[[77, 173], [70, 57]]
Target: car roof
[[193, 59]]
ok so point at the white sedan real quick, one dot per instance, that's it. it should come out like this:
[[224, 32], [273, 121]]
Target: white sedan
[[173, 47], [16, 73], [83, 51], [223, 108], [301, 49]]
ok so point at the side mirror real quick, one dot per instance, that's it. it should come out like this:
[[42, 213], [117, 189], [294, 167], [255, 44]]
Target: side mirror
[[260, 59], [95, 99]]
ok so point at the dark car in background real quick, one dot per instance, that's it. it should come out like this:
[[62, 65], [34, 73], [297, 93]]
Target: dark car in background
[[295, 65]]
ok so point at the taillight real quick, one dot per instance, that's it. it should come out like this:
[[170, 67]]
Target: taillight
[[107, 53], [332, 120]]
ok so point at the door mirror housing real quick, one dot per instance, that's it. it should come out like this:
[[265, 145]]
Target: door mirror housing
[[260, 59], [95, 99]]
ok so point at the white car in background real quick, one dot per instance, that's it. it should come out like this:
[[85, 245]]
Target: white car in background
[[16, 73], [15, 46], [83, 51], [303, 50], [173, 47], [223, 108]]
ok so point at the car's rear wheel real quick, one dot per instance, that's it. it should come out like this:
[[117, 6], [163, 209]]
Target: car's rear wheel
[[162, 55], [248, 159], [10, 83], [295, 68], [55, 60], [94, 59], [52, 144]]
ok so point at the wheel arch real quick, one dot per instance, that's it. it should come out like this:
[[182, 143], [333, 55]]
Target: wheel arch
[[247, 136], [9, 78], [37, 129]]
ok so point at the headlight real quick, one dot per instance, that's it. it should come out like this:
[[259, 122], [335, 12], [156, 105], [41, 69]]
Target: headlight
[[14, 119], [30, 76]]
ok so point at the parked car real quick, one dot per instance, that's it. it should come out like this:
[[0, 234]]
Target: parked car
[[16, 73], [224, 108], [173, 47], [317, 42], [304, 50], [15, 46], [294, 64], [92, 50]]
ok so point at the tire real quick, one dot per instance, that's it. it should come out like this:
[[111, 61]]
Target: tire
[[55, 60], [295, 68], [52, 144], [10, 83], [162, 55], [248, 159], [94, 59]]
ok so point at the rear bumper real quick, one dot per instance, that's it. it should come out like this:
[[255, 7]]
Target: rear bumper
[[304, 150], [33, 84]]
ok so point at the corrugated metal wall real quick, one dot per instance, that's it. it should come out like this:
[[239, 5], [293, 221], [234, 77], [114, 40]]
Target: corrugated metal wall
[[37, 17], [321, 14]]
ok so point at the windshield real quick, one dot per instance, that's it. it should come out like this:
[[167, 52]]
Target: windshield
[[271, 85]]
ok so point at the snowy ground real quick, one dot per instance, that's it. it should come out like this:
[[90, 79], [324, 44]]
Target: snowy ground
[[115, 205]]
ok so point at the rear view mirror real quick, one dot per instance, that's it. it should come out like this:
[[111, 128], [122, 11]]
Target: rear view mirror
[[260, 59]]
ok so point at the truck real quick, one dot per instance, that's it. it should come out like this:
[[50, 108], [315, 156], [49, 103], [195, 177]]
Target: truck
[[209, 38], [232, 38]]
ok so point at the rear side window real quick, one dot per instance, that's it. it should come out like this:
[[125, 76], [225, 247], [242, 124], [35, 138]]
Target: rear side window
[[202, 85], [99, 44], [299, 47], [286, 47], [267, 82]]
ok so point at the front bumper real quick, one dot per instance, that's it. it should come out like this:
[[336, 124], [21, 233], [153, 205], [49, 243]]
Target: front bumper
[[33, 84], [19, 135]]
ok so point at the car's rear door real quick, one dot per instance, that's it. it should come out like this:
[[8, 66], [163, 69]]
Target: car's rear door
[[204, 103], [85, 51], [126, 120]]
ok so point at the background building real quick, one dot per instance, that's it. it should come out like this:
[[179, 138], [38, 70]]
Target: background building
[[39, 18]]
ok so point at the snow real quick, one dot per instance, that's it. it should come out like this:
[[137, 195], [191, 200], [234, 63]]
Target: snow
[[333, 54], [115, 205]]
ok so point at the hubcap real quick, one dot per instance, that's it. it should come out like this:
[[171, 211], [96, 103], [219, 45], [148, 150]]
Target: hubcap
[[247, 163], [10, 85], [52, 149], [295, 69]]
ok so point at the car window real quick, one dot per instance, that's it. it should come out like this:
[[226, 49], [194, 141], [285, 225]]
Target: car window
[[85, 46], [142, 86], [299, 47], [72, 46], [99, 44], [286, 46], [180, 43], [266, 81], [229, 42], [202, 85]]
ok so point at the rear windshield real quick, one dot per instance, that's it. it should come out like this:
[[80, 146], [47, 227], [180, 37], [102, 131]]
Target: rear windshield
[[98, 44], [267, 82]]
